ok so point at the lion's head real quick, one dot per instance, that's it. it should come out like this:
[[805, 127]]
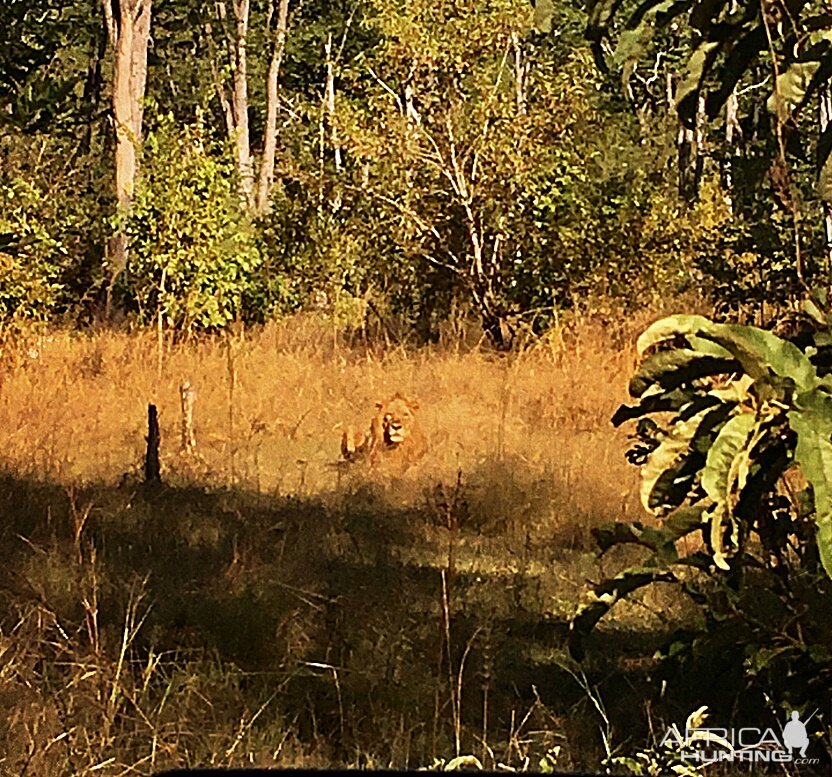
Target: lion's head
[[396, 420], [393, 430]]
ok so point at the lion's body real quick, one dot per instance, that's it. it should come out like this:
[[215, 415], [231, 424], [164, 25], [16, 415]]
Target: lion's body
[[394, 435]]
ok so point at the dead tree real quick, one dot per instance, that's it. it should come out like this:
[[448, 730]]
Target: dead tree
[[187, 398], [152, 472]]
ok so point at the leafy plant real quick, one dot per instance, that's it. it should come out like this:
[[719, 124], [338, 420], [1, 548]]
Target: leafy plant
[[31, 253], [742, 452], [194, 258], [668, 758]]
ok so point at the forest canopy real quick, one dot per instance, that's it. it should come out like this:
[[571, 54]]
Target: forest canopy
[[194, 164]]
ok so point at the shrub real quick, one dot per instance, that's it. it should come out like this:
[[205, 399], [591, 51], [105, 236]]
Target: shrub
[[194, 256], [31, 253]]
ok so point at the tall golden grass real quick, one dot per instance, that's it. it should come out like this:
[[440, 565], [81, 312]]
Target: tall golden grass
[[271, 405], [270, 604]]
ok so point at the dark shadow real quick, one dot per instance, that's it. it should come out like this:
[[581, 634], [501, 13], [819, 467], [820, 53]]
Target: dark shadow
[[332, 608]]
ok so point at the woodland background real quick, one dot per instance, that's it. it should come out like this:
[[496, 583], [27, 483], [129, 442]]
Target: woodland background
[[398, 167], [300, 207]]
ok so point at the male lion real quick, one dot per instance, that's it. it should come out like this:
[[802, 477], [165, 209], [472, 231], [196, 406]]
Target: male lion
[[394, 434]]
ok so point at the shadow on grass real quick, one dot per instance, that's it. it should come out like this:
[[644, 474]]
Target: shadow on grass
[[328, 614]]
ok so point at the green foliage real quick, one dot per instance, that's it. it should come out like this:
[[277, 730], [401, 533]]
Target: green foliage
[[729, 442], [670, 759], [31, 253], [194, 256], [727, 41], [43, 83], [701, 56], [741, 454], [460, 192], [445, 118]]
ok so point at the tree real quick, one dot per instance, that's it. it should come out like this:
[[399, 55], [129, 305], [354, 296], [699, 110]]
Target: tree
[[255, 187], [734, 443], [451, 146], [128, 27], [727, 46], [195, 262]]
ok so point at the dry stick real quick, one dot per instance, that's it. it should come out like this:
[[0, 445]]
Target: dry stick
[[487, 671], [446, 623], [160, 330], [448, 574], [151, 461], [187, 397]]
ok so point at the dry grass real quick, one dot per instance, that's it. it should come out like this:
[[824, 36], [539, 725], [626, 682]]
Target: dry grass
[[271, 406], [300, 612]]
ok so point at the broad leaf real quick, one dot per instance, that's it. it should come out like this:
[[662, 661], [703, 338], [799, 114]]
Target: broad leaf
[[672, 369], [758, 351], [687, 93], [813, 452], [654, 403], [670, 470], [719, 472], [543, 12], [790, 88], [670, 328], [607, 595]]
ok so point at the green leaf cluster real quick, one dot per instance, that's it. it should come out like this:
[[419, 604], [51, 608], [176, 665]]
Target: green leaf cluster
[[31, 253], [734, 442], [194, 257]]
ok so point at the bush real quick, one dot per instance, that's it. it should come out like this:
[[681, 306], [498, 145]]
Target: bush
[[194, 256], [31, 253]]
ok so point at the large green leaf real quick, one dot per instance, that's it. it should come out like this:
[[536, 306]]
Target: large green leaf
[[670, 470], [722, 457], [633, 41], [813, 452], [670, 328], [672, 369], [790, 88], [805, 75], [757, 350], [687, 93], [726, 469], [543, 12], [660, 539], [654, 403]]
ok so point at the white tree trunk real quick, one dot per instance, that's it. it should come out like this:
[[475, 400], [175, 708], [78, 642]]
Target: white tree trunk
[[521, 73], [129, 33], [732, 137], [266, 177], [239, 101], [329, 102]]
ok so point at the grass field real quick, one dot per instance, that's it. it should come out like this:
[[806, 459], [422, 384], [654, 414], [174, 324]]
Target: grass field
[[268, 604]]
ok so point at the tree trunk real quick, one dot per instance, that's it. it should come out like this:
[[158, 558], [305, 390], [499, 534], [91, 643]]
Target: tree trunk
[[152, 471], [329, 102], [732, 138], [129, 32], [266, 177], [521, 73], [239, 100], [690, 149], [92, 89]]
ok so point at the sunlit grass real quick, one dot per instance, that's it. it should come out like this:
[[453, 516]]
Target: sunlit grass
[[293, 606]]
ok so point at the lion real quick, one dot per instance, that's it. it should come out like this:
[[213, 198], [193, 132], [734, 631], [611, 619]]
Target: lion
[[394, 434]]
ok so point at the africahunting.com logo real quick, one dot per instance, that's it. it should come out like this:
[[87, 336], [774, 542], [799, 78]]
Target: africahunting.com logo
[[700, 744]]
